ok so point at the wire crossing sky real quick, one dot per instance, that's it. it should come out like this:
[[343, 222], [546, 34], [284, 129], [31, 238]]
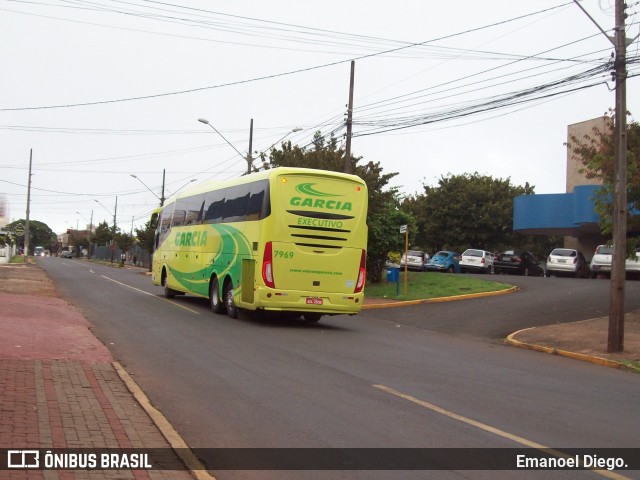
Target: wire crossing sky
[[110, 88]]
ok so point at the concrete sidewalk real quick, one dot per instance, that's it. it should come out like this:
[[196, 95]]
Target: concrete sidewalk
[[60, 388]]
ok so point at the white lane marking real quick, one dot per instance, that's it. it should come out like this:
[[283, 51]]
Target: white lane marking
[[490, 429], [151, 295]]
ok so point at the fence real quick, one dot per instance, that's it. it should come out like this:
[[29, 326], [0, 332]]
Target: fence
[[137, 256]]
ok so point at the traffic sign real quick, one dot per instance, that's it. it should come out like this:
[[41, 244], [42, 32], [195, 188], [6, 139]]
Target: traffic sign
[[403, 229], [19, 230]]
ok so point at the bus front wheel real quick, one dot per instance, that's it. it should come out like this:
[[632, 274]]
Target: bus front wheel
[[214, 296], [232, 310]]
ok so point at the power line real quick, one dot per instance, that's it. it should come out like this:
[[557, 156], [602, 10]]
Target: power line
[[278, 75]]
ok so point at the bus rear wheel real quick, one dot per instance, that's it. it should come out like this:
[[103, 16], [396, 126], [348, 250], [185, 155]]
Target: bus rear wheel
[[168, 292], [214, 296], [312, 317], [229, 302]]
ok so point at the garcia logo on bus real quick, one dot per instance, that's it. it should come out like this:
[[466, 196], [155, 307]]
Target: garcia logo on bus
[[307, 201], [191, 239]]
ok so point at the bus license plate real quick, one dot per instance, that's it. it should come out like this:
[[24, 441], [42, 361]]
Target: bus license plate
[[314, 301]]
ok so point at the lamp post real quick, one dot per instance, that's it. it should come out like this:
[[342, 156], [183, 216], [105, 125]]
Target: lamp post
[[113, 230], [249, 159], [190, 181], [160, 198]]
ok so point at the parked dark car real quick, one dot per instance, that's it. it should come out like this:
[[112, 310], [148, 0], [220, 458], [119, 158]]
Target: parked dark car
[[517, 262]]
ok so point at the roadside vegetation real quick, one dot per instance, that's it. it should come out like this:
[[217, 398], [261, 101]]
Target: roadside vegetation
[[425, 285]]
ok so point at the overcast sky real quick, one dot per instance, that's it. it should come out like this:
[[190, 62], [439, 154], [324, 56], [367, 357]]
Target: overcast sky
[[101, 90]]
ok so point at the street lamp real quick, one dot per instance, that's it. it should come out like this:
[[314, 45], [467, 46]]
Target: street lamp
[[190, 181], [297, 129], [248, 158], [113, 230], [161, 198]]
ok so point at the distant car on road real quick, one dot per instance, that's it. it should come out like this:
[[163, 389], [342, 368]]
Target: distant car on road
[[417, 260], [567, 261], [518, 262], [67, 254], [444, 261], [474, 260]]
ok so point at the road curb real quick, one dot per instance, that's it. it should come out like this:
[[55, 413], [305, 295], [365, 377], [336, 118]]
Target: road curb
[[453, 298], [510, 340], [178, 444]]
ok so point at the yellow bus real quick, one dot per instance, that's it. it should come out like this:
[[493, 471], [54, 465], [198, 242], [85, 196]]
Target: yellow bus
[[285, 240]]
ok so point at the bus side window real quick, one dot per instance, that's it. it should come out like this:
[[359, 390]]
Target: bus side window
[[214, 206]]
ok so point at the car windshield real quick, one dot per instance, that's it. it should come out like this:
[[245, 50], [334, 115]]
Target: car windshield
[[415, 253], [441, 254], [472, 253], [604, 250], [564, 252]]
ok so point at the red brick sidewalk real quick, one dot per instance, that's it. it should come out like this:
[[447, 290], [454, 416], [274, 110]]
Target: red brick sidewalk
[[59, 389]]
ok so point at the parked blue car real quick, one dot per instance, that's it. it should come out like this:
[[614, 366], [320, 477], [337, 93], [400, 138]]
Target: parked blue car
[[444, 261]]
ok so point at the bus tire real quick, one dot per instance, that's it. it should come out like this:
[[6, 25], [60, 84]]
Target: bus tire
[[312, 317], [214, 296], [229, 302], [168, 292]]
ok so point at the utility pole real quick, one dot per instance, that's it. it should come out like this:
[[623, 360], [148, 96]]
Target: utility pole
[[26, 228], [90, 234], [113, 232], [249, 157], [347, 151], [162, 193], [615, 341]]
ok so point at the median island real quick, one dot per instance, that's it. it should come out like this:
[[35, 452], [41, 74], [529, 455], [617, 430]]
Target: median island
[[433, 285]]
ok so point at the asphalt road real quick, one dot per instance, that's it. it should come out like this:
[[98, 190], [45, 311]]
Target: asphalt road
[[434, 375]]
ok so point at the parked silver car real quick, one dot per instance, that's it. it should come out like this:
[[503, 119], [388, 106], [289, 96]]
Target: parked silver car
[[416, 260]]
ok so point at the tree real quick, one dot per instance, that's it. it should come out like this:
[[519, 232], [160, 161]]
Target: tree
[[39, 234], [146, 236], [102, 234], [383, 204], [596, 153], [124, 241], [79, 243], [466, 211]]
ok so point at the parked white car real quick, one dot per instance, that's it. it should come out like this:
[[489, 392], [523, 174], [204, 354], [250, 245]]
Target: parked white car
[[632, 265], [603, 258], [601, 261], [567, 261], [474, 260]]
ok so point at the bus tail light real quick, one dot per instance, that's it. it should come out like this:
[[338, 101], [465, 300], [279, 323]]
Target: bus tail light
[[362, 273], [267, 266]]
